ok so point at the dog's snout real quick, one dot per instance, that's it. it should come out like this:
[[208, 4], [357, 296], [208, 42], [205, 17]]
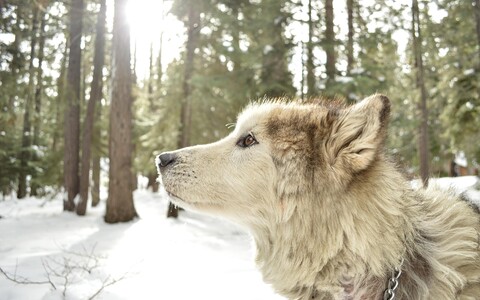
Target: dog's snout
[[166, 159]]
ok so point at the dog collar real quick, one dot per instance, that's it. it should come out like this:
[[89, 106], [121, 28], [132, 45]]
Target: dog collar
[[393, 282]]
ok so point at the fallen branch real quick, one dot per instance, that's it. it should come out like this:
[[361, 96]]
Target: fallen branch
[[23, 280], [66, 270], [106, 283]]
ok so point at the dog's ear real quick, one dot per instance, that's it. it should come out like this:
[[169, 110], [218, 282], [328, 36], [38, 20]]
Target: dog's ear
[[357, 133]]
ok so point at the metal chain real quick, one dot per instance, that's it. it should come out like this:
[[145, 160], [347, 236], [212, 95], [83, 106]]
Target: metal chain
[[393, 282]]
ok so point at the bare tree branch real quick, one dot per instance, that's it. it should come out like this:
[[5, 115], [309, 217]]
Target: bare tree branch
[[106, 283], [65, 269], [23, 280]]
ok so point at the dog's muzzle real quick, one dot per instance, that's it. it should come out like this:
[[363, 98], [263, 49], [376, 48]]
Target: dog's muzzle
[[165, 160]]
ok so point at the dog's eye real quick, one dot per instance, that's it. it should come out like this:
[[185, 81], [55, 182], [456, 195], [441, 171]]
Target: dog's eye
[[247, 141]]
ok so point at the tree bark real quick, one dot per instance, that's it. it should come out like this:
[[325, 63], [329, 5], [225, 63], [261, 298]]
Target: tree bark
[[476, 8], [423, 137], [311, 90], [350, 36], [25, 151], [192, 41], [134, 67], [72, 109], [95, 96], [95, 191], [39, 86], [61, 87], [120, 207], [151, 79], [16, 62], [34, 186], [152, 182], [329, 40], [302, 78], [193, 29], [159, 63], [236, 57]]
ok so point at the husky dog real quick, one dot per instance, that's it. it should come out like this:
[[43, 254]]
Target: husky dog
[[331, 216]]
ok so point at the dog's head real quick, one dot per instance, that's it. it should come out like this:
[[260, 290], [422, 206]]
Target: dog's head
[[277, 155]]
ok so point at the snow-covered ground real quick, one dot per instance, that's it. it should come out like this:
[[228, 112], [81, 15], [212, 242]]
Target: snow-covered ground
[[193, 257]]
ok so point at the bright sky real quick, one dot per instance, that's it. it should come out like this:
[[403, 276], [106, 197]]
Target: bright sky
[[148, 20]]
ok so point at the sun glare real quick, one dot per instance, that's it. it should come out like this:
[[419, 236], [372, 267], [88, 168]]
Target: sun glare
[[149, 22]]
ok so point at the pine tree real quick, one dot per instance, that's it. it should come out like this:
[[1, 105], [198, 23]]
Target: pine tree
[[476, 10], [25, 152], [417, 50], [72, 111], [310, 65], [275, 78], [329, 43], [34, 184], [11, 20], [120, 206], [459, 76], [95, 96], [349, 48]]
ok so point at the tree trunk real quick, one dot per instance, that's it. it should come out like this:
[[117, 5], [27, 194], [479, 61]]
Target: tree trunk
[[16, 62], [236, 57], [311, 89], [61, 87], [152, 182], [25, 151], [192, 41], [151, 79], [95, 192], [476, 8], [159, 63], [34, 186], [134, 67], [39, 86], [193, 29], [72, 109], [120, 207], [350, 37], [423, 137], [329, 41], [302, 77], [95, 96]]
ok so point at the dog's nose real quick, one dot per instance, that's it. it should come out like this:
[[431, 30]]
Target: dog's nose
[[166, 159]]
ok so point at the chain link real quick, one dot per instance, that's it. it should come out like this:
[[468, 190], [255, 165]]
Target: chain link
[[393, 282]]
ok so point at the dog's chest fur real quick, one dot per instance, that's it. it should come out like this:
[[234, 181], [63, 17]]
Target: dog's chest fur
[[301, 266], [307, 259]]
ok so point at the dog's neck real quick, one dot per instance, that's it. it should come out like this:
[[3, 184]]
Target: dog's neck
[[331, 244]]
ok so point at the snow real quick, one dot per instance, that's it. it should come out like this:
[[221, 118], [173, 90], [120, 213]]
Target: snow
[[461, 159], [193, 257], [357, 71], [468, 72], [344, 79]]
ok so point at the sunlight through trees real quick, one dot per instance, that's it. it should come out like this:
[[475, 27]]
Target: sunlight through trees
[[91, 94]]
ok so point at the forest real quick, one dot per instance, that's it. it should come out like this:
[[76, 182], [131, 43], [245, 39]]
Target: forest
[[92, 90]]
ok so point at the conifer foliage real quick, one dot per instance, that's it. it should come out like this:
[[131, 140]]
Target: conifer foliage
[[79, 112]]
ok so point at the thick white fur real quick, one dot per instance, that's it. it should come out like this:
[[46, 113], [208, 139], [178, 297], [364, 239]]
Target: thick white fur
[[330, 215]]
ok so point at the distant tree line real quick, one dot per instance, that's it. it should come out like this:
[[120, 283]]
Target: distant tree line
[[71, 101]]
